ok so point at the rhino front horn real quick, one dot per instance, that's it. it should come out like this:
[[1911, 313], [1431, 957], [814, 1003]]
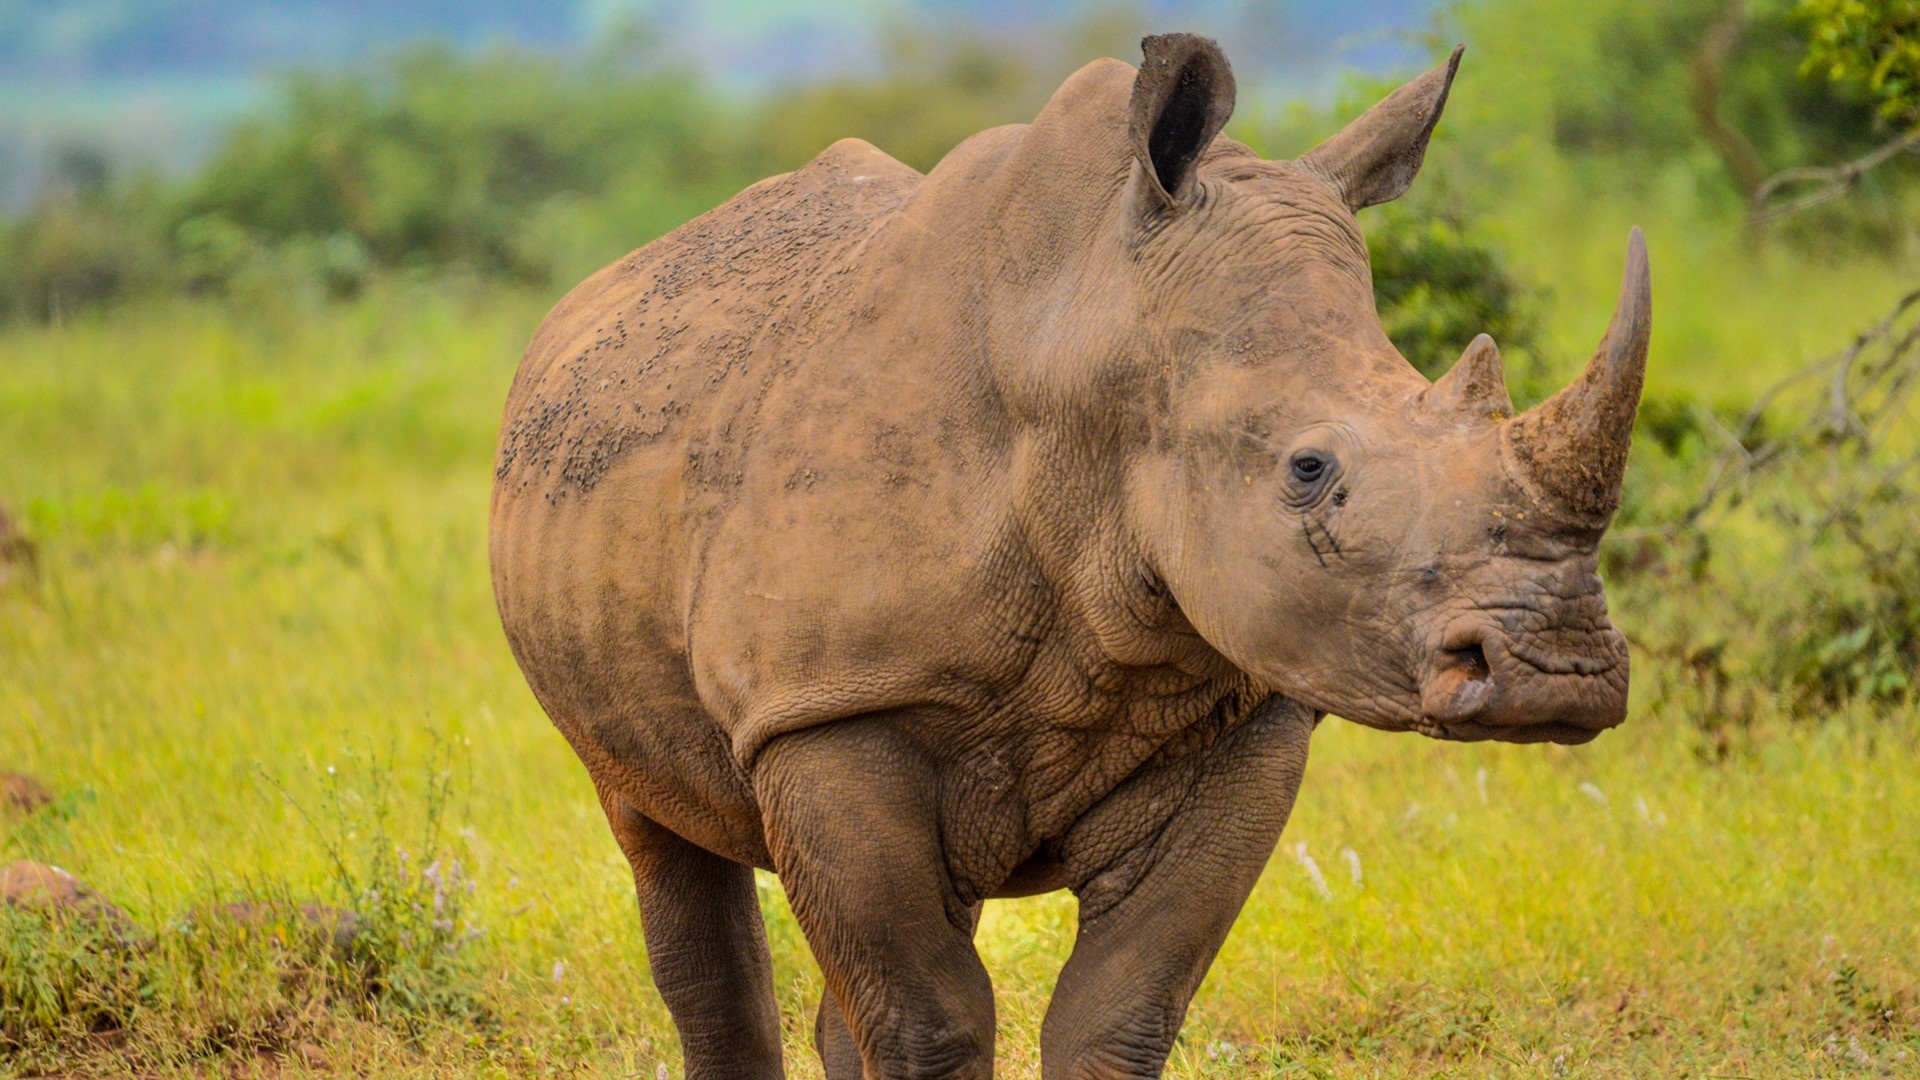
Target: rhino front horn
[[1573, 446]]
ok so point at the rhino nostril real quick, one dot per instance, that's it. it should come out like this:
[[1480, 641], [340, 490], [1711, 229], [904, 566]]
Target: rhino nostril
[[1459, 685], [1471, 661]]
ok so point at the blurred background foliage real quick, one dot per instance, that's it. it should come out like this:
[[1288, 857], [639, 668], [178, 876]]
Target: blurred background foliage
[[535, 167], [1873, 47]]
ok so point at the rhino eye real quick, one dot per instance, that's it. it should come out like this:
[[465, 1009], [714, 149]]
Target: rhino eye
[[1308, 468]]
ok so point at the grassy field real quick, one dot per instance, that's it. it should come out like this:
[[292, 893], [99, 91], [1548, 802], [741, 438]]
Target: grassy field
[[259, 659]]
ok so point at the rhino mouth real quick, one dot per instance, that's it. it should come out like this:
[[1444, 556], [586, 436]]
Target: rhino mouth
[[1561, 733], [1481, 687]]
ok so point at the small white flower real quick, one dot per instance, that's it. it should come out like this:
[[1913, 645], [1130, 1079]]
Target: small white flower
[[1480, 779], [660, 1071], [1353, 863], [559, 971], [1312, 868], [1590, 791]]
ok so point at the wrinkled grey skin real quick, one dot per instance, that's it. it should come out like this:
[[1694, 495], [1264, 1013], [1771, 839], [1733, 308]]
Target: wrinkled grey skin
[[1010, 528]]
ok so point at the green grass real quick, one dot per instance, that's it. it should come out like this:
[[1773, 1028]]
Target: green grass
[[259, 653]]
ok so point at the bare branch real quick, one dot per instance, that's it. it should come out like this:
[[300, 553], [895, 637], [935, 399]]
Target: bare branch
[[1848, 400], [1830, 181]]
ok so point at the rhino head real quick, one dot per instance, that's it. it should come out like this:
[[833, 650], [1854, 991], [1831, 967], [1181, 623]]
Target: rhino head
[[1408, 554]]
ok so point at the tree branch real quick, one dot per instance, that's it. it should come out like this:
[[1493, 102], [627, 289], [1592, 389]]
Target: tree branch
[[1709, 70], [1832, 181]]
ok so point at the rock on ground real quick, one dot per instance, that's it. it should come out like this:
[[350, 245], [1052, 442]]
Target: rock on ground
[[21, 792], [37, 886], [14, 545], [340, 929]]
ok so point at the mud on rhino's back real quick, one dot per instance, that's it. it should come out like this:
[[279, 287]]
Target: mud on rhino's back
[[641, 353], [639, 387]]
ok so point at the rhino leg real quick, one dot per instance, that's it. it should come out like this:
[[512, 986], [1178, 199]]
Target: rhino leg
[[833, 1042], [1153, 915], [707, 947], [852, 822]]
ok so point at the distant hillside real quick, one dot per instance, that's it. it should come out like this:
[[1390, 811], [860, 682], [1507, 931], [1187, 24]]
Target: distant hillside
[[153, 82]]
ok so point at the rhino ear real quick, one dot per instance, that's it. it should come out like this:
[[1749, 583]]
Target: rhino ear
[[1373, 160], [1181, 99]]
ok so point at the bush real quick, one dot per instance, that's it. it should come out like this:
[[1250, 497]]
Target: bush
[[71, 251], [409, 904], [432, 158], [1851, 642], [1438, 282]]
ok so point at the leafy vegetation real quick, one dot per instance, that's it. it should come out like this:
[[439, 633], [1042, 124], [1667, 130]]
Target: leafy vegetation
[[1873, 47], [1438, 282], [248, 423]]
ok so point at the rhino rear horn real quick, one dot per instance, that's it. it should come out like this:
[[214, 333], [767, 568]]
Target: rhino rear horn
[[1475, 386], [1374, 159], [1573, 446], [1181, 99]]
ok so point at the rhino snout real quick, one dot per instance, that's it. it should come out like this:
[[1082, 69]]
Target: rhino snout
[[1479, 685]]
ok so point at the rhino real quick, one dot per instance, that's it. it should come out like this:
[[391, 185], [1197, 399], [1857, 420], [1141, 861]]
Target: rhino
[[926, 539]]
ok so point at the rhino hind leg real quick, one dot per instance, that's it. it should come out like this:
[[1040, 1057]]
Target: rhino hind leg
[[707, 947], [833, 1042], [852, 821]]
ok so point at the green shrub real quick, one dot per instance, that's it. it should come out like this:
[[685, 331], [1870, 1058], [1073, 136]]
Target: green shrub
[[1799, 521], [1439, 281], [1854, 630], [432, 158], [69, 252], [61, 980], [409, 897]]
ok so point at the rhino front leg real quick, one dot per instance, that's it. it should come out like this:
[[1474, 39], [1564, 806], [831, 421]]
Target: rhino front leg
[[834, 1043], [1153, 916], [851, 815]]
